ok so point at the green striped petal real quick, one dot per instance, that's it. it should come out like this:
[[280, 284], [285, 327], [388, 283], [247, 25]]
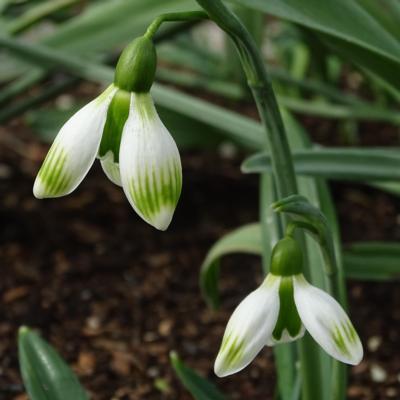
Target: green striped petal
[[150, 164], [249, 328], [74, 149], [327, 322]]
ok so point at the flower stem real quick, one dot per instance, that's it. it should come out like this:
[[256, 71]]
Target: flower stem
[[276, 140], [170, 17]]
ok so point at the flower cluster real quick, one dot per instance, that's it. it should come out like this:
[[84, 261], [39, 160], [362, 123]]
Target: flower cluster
[[121, 127], [280, 310]]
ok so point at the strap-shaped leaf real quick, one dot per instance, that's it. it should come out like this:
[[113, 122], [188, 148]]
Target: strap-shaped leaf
[[344, 25], [364, 260], [199, 387], [45, 374], [374, 164], [246, 239], [373, 261]]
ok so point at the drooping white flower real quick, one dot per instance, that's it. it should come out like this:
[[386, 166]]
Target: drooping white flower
[[122, 128], [74, 149], [280, 310], [150, 165]]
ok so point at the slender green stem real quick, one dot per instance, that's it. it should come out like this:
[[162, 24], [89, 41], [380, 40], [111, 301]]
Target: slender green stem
[[282, 164], [173, 17]]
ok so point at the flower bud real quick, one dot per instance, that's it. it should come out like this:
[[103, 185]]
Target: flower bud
[[136, 67]]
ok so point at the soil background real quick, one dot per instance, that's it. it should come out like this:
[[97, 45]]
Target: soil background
[[115, 296]]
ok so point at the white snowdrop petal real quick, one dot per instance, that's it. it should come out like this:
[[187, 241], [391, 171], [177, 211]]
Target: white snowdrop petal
[[248, 329], [327, 322], [73, 150], [111, 168], [150, 164]]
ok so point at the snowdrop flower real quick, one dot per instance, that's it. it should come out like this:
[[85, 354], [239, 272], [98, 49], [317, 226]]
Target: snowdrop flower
[[280, 310], [121, 127]]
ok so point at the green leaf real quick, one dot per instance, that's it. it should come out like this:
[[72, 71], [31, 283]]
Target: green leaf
[[373, 261], [45, 374], [199, 387], [100, 28], [367, 164], [347, 26], [246, 239]]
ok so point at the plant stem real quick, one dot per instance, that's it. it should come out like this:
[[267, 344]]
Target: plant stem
[[173, 17], [276, 141]]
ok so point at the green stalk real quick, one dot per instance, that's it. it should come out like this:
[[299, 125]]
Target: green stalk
[[276, 140], [174, 17]]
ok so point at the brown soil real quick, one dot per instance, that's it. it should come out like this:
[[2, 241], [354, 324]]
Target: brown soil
[[115, 296]]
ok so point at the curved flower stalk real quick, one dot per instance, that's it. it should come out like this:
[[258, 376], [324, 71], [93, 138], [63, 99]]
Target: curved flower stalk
[[280, 310], [122, 128]]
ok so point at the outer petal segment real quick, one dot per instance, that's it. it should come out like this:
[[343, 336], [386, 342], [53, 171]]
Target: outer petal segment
[[74, 150], [327, 322], [249, 328], [150, 165]]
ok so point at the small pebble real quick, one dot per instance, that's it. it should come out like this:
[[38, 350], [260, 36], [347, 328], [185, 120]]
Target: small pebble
[[64, 102], [391, 392], [374, 343], [378, 374], [5, 171], [227, 150], [153, 372]]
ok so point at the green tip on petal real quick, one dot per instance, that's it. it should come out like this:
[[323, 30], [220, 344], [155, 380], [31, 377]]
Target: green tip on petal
[[53, 179], [156, 193]]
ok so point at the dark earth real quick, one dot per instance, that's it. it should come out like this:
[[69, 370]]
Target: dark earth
[[115, 296]]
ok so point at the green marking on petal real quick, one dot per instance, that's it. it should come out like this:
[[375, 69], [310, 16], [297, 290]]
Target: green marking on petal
[[103, 96], [233, 350], [145, 106], [288, 317], [344, 336], [340, 341], [53, 175], [156, 190]]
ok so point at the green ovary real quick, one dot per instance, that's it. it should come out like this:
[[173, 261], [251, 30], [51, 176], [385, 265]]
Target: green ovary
[[117, 114], [53, 174], [157, 191], [288, 317]]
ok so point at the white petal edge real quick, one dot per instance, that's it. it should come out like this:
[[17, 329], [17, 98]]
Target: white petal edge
[[250, 325], [111, 168], [74, 149], [327, 322], [148, 156]]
